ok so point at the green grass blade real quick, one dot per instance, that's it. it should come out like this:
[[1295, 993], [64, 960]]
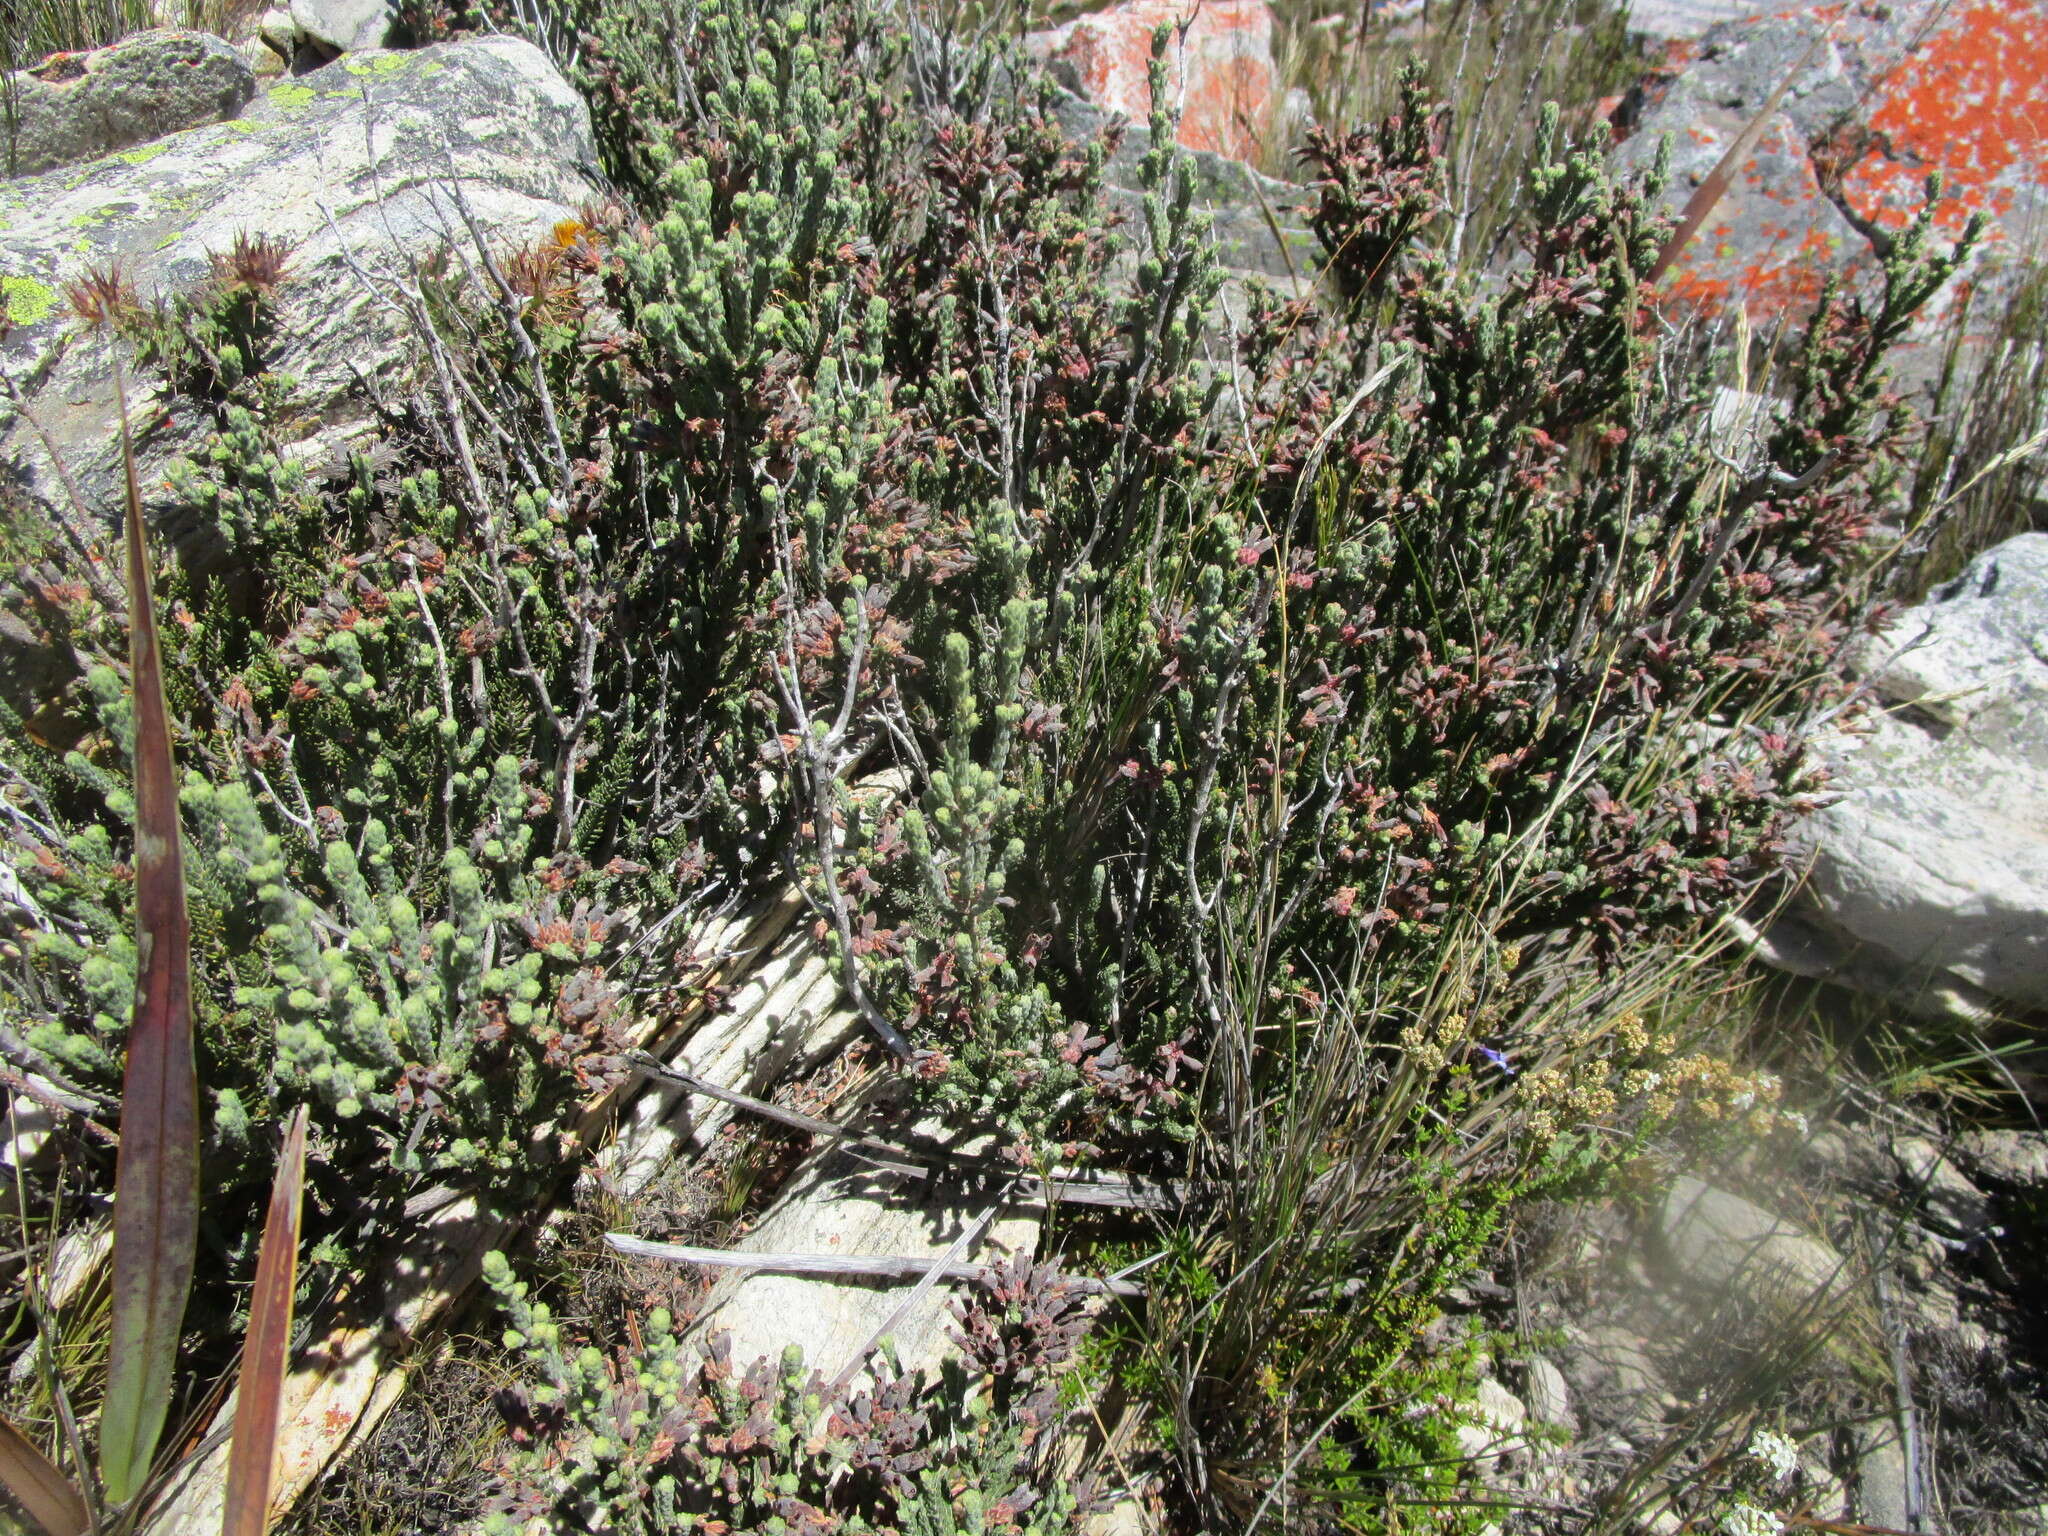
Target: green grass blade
[[44, 1493], [252, 1459], [156, 1183]]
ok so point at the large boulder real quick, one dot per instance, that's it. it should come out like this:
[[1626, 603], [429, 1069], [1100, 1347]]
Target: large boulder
[[359, 169], [1221, 67], [79, 106], [1881, 96], [1929, 877], [344, 26]]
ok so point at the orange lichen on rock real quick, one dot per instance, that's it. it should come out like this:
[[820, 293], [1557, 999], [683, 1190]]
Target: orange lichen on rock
[[1882, 95], [1221, 69], [1971, 102]]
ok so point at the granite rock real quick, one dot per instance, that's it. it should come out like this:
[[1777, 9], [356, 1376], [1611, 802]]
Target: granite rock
[[80, 106]]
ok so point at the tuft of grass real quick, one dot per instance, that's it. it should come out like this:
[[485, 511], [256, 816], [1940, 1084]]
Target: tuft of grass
[[1983, 471]]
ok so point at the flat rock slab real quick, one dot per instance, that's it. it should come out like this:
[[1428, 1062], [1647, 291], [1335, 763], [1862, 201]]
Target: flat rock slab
[[79, 106], [840, 1206], [356, 165]]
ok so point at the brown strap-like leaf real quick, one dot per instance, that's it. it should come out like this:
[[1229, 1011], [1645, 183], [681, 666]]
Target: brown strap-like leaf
[[1709, 194], [252, 1459], [45, 1493], [156, 1182]]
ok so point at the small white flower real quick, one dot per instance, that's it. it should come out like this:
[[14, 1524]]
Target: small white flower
[[1776, 1454], [1748, 1520]]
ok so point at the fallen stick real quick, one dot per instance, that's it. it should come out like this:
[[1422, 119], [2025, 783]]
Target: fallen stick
[[869, 1266], [1111, 1190]]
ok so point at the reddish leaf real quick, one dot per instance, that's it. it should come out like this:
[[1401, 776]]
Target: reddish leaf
[[156, 1183], [38, 1487], [252, 1458]]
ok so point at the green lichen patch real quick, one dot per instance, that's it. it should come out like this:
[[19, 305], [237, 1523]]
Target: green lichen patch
[[292, 97], [142, 154], [376, 66], [107, 213], [28, 301]]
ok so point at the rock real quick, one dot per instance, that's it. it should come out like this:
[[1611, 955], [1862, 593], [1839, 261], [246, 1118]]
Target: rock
[[276, 27], [1619, 1363], [1932, 1304], [1126, 1517], [1882, 1477], [1664, 19], [1826, 1498], [276, 30], [1951, 1200], [1253, 218], [838, 1205], [1718, 1243], [309, 164], [1846, 1155], [1493, 1425], [2015, 1159], [343, 26], [1544, 1390], [79, 106], [265, 62], [1222, 69], [1928, 87], [1929, 878]]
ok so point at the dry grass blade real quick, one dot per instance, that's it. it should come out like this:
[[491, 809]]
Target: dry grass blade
[[156, 1184], [252, 1463], [46, 1494], [1709, 194]]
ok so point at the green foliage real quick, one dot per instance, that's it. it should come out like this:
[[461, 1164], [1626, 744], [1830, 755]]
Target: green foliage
[[1319, 741], [654, 1440], [414, 1020]]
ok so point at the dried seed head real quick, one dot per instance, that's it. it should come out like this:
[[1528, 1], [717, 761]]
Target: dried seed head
[[102, 296], [253, 262]]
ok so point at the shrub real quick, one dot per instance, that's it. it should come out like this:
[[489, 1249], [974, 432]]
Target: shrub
[[652, 1440], [1400, 679]]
